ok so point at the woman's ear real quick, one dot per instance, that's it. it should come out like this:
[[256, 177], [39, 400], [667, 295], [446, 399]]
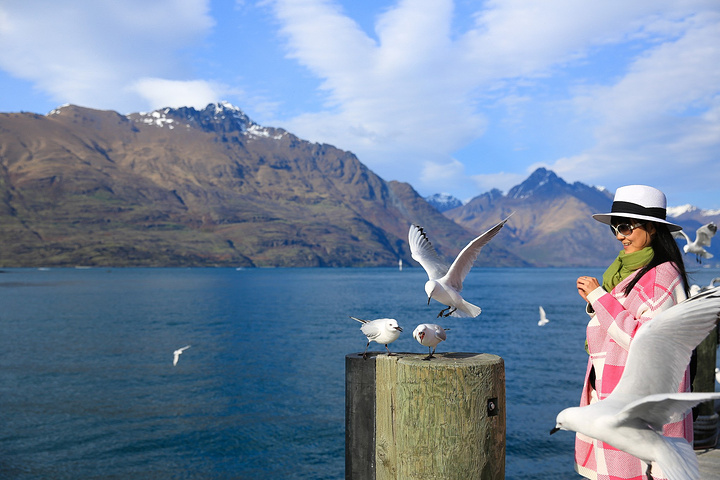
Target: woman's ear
[[650, 228]]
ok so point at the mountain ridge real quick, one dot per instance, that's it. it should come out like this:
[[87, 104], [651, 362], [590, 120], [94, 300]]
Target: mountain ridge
[[554, 226], [197, 187], [210, 187]]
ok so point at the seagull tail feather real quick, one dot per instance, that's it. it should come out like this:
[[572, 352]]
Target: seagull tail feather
[[467, 310], [679, 460]]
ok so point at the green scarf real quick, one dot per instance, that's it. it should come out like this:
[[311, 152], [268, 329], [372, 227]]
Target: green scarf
[[624, 265]]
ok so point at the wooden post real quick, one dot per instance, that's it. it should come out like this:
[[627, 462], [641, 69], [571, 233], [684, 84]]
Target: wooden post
[[437, 419], [359, 417], [705, 426]]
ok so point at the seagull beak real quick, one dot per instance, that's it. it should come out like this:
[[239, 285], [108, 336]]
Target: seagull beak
[[429, 300], [398, 329], [554, 430]]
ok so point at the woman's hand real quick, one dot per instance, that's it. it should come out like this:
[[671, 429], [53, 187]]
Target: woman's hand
[[585, 285]]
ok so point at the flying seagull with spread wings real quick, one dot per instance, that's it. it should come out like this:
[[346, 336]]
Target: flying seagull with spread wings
[[445, 283], [703, 236]]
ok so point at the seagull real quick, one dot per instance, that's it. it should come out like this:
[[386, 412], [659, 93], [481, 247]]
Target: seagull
[[430, 335], [632, 416], [445, 283], [543, 318], [382, 330], [703, 235], [177, 353]]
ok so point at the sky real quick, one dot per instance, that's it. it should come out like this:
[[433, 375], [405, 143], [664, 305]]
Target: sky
[[455, 97]]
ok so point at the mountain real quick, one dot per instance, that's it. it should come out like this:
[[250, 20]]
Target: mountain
[[552, 224], [178, 187], [206, 187], [690, 214], [443, 202]]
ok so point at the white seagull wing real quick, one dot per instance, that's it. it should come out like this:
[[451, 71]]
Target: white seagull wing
[[424, 253], [661, 349], [681, 234], [465, 260], [661, 408], [705, 234], [371, 330]]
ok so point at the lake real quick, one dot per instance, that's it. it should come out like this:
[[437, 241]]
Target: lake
[[88, 389]]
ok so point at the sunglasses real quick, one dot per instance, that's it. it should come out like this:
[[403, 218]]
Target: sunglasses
[[624, 229]]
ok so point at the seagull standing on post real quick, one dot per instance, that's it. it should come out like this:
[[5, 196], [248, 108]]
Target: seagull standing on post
[[429, 335], [382, 331], [445, 283]]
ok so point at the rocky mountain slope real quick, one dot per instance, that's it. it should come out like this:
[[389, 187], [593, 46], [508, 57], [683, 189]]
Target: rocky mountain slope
[[206, 187], [199, 187], [552, 225]]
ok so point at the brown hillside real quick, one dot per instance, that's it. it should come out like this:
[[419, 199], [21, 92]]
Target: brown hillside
[[188, 187]]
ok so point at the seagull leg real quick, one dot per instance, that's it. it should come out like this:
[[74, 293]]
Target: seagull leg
[[450, 312], [442, 312], [430, 355], [648, 472], [364, 355], [388, 350]]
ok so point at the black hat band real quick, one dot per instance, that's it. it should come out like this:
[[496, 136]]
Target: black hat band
[[634, 208]]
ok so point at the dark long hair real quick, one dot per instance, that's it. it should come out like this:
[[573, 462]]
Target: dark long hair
[[666, 250]]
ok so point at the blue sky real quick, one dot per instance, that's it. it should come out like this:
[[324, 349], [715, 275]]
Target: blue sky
[[451, 96]]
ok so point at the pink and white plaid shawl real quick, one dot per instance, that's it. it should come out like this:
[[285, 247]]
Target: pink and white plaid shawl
[[609, 333]]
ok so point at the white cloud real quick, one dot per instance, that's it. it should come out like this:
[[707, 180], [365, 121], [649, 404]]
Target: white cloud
[[446, 176], [415, 92], [89, 51], [598, 91], [160, 92], [662, 116], [400, 96], [503, 181]]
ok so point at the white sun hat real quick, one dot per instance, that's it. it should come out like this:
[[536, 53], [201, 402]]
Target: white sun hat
[[640, 202]]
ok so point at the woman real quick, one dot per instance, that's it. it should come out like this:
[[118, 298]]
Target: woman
[[647, 277]]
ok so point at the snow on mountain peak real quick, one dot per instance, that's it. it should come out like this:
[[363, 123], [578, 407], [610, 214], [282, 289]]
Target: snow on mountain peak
[[443, 201], [677, 211], [691, 209], [534, 182], [159, 118], [224, 106], [56, 111]]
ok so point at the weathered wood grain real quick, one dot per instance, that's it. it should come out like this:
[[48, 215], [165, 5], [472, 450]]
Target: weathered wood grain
[[437, 419]]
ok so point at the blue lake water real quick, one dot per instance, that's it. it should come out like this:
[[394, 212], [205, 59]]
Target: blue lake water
[[88, 389]]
